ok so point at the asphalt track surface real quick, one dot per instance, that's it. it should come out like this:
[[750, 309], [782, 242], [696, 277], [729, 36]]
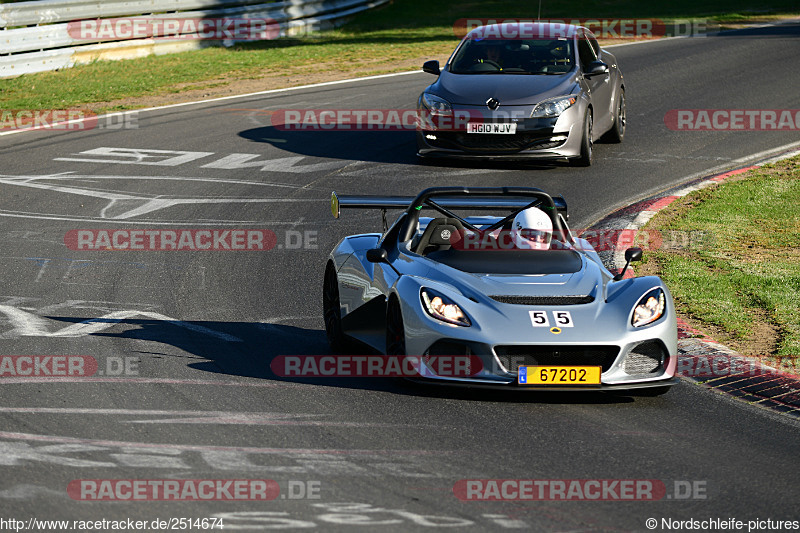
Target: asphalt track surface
[[199, 329]]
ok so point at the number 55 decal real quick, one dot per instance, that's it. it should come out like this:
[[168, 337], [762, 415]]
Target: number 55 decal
[[562, 319], [539, 319]]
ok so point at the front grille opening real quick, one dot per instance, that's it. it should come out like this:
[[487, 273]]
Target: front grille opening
[[514, 356], [646, 358], [497, 143], [447, 347], [544, 300], [454, 349]]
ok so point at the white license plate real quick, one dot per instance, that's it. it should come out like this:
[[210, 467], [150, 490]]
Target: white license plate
[[503, 129]]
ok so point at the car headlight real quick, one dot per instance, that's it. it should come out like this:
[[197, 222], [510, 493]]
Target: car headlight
[[649, 309], [443, 308], [553, 107], [436, 105]]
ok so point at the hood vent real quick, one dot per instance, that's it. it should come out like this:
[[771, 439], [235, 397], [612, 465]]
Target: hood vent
[[544, 300]]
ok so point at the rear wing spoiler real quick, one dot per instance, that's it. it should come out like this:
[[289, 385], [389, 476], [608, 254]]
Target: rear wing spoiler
[[456, 202]]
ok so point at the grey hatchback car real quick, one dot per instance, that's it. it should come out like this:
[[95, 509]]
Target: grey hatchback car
[[520, 91]]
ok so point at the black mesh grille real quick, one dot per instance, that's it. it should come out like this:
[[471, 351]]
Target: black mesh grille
[[645, 358], [512, 357], [495, 143], [446, 347], [544, 300]]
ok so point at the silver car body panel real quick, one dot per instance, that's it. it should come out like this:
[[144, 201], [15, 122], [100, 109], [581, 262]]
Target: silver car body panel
[[518, 95], [605, 321]]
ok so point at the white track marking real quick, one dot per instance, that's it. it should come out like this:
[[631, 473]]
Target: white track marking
[[122, 206], [203, 417], [27, 492], [27, 324], [139, 446], [282, 164], [134, 156]]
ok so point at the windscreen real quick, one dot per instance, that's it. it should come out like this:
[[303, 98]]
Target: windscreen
[[514, 56]]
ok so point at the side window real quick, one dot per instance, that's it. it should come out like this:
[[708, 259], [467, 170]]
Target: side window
[[595, 46], [585, 51]]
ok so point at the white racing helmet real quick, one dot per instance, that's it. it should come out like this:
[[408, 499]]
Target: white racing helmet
[[532, 229]]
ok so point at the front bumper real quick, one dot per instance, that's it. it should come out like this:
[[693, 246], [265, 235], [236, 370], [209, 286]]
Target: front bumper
[[622, 365], [513, 386], [534, 139]]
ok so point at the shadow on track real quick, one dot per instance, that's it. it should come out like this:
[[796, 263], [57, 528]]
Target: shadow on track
[[248, 349], [389, 147]]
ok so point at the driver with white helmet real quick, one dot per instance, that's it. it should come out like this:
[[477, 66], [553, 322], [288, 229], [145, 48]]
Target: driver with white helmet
[[532, 229]]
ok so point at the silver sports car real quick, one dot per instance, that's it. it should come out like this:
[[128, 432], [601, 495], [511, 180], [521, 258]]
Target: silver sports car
[[523, 90], [552, 318]]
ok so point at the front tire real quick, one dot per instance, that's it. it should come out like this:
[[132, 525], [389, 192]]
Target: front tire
[[617, 131], [395, 330], [332, 310], [585, 159]]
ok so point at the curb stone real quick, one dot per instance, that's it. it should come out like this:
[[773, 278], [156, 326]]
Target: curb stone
[[734, 374]]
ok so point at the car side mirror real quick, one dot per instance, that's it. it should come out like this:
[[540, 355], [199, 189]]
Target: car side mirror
[[631, 254], [431, 67], [377, 255], [595, 68]]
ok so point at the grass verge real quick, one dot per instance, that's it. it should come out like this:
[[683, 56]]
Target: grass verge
[[742, 283], [392, 38]]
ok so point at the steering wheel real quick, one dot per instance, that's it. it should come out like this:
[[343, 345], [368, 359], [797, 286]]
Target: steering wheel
[[479, 63]]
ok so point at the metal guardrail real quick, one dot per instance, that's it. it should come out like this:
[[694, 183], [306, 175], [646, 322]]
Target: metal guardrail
[[36, 36]]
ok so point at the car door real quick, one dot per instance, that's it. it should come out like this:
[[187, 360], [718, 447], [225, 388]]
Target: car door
[[599, 86]]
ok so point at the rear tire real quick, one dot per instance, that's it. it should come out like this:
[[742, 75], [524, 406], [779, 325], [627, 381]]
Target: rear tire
[[395, 331], [332, 310], [617, 131], [585, 159]]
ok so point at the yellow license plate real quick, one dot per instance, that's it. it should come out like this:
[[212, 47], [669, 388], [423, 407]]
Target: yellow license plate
[[559, 375]]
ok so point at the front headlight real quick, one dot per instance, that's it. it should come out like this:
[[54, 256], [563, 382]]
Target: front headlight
[[553, 107], [649, 309], [436, 105], [443, 308]]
